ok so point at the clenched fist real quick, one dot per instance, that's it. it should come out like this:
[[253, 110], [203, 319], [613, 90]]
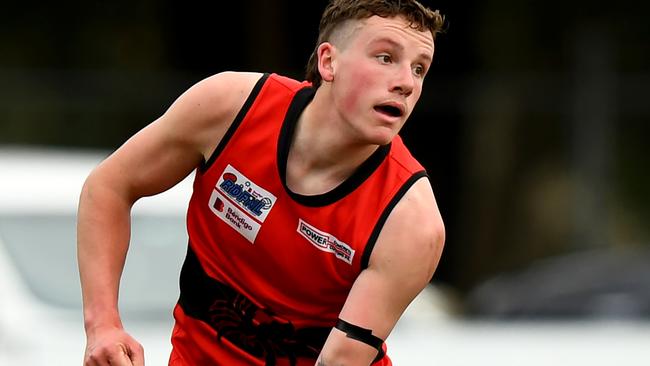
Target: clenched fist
[[112, 347]]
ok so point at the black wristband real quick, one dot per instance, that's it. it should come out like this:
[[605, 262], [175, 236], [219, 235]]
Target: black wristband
[[362, 335]]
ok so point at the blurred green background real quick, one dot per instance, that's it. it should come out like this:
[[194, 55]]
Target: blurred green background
[[534, 122]]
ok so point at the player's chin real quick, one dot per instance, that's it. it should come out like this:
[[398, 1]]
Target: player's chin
[[382, 136]]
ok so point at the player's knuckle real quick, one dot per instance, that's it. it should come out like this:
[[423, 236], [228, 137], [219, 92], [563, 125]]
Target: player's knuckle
[[92, 357]]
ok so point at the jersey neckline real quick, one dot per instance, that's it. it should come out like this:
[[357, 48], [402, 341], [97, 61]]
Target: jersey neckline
[[298, 104]]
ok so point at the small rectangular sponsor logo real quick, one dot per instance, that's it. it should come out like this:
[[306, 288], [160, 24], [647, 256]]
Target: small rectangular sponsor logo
[[248, 196], [232, 215], [326, 242]]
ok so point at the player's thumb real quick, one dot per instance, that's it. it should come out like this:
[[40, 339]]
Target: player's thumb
[[122, 357], [137, 358], [136, 355]]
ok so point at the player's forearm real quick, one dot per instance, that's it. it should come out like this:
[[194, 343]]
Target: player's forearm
[[340, 350], [103, 230], [343, 361]]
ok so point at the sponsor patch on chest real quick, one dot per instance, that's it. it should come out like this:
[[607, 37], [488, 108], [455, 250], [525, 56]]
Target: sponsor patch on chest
[[240, 203], [326, 242]]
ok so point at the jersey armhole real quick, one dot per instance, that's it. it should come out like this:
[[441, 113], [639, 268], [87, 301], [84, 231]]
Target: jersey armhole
[[365, 258], [235, 124]]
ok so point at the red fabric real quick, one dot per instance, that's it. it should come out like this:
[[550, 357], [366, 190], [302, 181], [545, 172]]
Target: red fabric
[[280, 270]]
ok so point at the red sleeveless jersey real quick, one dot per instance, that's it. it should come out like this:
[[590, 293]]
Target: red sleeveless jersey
[[268, 270]]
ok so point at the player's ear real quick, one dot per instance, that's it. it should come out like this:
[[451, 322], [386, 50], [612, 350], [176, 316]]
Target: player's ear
[[326, 54]]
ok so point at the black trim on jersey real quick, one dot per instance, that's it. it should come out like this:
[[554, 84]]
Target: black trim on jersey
[[365, 258], [236, 122], [298, 104], [253, 329]]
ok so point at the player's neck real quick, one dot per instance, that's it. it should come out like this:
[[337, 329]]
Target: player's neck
[[323, 151]]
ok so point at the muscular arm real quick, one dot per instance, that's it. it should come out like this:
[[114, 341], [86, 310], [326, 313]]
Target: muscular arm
[[401, 265], [150, 162]]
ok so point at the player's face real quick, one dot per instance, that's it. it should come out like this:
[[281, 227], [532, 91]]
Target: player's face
[[378, 76]]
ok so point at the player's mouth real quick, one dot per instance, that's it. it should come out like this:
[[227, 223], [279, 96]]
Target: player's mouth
[[393, 110]]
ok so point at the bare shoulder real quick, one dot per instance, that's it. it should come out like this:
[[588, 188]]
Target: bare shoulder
[[219, 96], [205, 111], [418, 210], [401, 264], [413, 236], [222, 91]]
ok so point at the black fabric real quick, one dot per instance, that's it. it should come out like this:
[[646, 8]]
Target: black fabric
[[255, 330], [362, 335], [365, 258], [298, 104], [236, 122]]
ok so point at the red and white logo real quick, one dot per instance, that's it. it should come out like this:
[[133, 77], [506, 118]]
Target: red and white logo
[[326, 242]]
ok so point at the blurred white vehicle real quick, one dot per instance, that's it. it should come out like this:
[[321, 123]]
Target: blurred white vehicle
[[40, 297]]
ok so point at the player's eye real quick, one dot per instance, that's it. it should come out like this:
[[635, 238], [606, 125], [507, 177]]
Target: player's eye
[[384, 59], [419, 70]]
